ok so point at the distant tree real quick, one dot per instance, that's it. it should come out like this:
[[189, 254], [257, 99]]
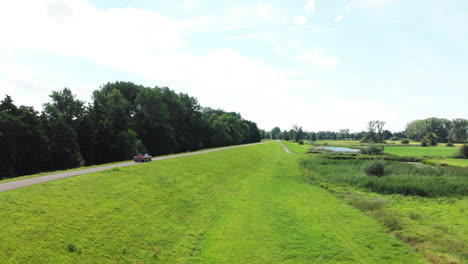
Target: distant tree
[[458, 130], [386, 135], [285, 135], [344, 134], [375, 131], [298, 133], [312, 136], [275, 133], [418, 129], [399, 135]]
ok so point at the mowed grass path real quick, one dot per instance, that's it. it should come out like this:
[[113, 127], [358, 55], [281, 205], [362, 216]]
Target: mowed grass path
[[246, 205]]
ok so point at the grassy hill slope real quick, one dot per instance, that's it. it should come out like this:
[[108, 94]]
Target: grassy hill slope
[[246, 205]]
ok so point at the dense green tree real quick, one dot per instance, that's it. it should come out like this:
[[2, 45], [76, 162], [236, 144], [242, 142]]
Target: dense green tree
[[285, 135], [458, 130], [122, 120], [298, 133], [22, 141], [275, 133], [312, 136], [417, 129], [375, 131], [63, 114], [115, 138]]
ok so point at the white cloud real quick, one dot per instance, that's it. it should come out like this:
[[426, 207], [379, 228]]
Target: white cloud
[[191, 6], [370, 3], [235, 17], [339, 18], [310, 6], [154, 46], [299, 20], [291, 28], [265, 11], [318, 57], [141, 42], [293, 43]]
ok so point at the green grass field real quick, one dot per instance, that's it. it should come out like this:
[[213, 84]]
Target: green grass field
[[452, 162], [55, 172], [245, 205], [296, 148], [418, 151]]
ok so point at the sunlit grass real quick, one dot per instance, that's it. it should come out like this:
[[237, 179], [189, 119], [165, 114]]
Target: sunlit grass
[[418, 151], [244, 205]]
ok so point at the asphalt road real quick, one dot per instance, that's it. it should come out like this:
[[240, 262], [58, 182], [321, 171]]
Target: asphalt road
[[7, 186]]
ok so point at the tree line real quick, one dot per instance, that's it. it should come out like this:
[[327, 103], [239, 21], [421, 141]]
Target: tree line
[[439, 129], [375, 133], [121, 120], [431, 129]]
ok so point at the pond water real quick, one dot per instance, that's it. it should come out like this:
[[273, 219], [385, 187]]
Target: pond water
[[340, 149]]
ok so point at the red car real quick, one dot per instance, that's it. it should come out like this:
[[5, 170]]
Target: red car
[[142, 158]]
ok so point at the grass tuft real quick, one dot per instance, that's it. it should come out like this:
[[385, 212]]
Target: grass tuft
[[415, 216], [366, 204], [389, 219]]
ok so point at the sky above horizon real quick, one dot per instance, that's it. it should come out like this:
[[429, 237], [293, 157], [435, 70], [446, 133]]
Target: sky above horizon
[[323, 65]]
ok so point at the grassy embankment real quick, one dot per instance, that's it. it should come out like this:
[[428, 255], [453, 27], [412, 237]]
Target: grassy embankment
[[96, 166], [436, 226], [244, 205]]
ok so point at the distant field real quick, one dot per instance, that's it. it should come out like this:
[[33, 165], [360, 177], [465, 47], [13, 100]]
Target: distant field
[[245, 205], [418, 151], [414, 143], [453, 162], [339, 142]]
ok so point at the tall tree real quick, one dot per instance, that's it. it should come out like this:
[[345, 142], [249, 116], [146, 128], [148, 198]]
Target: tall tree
[[275, 133], [375, 131], [459, 130], [63, 114]]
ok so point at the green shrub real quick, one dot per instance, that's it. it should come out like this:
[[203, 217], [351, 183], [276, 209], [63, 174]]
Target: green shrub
[[404, 141], [449, 144], [464, 151], [424, 142], [415, 216], [366, 204], [429, 139], [389, 219], [374, 168], [301, 142], [72, 248], [373, 150]]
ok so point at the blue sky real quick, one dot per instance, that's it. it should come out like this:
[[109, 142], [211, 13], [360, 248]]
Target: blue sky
[[324, 65]]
